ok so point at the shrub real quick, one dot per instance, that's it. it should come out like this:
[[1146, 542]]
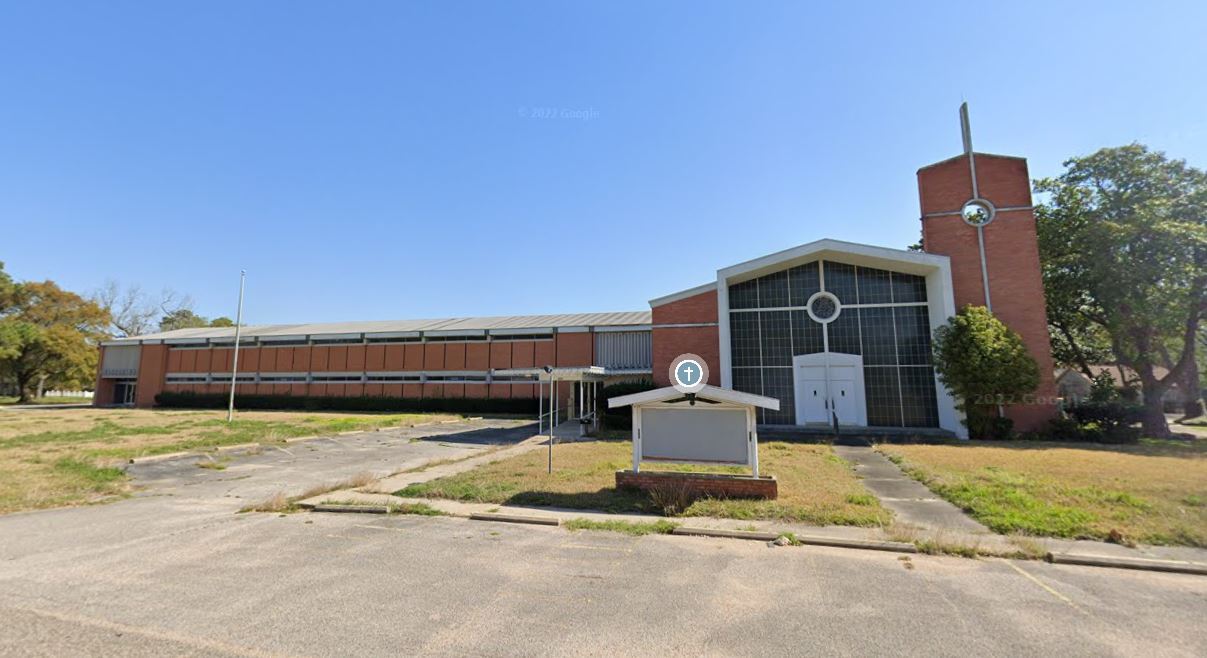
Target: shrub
[[672, 497], [1108, 421], [990, 428], [985, 364], [520, 406], [620, 419]]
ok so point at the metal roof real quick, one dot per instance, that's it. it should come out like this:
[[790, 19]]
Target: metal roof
[[496, 324]]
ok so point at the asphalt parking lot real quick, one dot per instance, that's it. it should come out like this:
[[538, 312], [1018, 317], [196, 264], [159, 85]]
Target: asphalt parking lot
[[176, 571]]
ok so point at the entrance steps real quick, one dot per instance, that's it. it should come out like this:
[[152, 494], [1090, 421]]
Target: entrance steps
[[854, 436]]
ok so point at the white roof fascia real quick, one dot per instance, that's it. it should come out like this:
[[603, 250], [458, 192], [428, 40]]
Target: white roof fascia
[[335, 336], [455, 332], [617, 329], [899, 260], [392, 334], [707, 393], [683, 294], [273, 339], [524, 331]]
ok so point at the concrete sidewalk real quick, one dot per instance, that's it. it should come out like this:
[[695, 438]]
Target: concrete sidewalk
[[910, 500], [922, 518]]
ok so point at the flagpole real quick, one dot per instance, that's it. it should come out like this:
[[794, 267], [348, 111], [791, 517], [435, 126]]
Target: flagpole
[[230, 410]]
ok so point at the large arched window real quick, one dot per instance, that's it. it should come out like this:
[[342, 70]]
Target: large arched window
[[878, 314]]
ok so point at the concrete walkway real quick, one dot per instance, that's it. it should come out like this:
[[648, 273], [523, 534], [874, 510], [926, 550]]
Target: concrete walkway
[[392, 483], [922, 517], [909, 499]]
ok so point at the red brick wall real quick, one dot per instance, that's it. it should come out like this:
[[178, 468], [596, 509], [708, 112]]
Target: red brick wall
[[721, 486], [152, 365], [103, 393], [575, 349], [568, 349], [669, 342], [1011, 252]]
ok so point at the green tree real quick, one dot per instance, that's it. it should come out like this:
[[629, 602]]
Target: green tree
[[49, 335], [1123, 237], [182, 318], [985, 365]]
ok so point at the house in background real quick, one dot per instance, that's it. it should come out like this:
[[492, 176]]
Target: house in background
[[1073, 385]]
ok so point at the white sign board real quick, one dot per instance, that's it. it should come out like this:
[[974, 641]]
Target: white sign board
[[695, 434]]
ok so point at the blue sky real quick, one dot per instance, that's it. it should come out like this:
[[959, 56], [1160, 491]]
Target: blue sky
[[390, 160]]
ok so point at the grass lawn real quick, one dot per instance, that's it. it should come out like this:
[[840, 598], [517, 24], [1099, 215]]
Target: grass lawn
[[815, 485], [53, 400], [50, 458], [1154, 492]]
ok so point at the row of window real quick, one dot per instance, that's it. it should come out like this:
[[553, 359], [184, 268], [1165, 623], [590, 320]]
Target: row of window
[[850, 283], [374, 378], [392, 340]]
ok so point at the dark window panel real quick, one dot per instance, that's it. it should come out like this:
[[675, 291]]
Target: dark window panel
[[919, 406], [840, 280], [777, 383], [744, 295], [806, 334], [844, 332], [913, 335], [744, 339], [777, 338], [908, 288], [879, 348], [883, 396], [748, 380], [773, 290], [875, 286], [803, 280]]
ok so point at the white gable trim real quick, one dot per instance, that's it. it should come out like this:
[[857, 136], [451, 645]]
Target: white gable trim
[[707, 393], [939, 293], [683, 294]]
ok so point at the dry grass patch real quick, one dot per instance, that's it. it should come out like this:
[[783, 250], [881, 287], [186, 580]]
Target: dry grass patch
[[33, 444], [815, 485], [1154, 492]]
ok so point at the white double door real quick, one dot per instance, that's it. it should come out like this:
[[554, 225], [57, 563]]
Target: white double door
[[829, 385]]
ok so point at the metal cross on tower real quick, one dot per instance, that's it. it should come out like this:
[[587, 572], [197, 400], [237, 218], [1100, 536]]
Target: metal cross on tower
[[976, 211]]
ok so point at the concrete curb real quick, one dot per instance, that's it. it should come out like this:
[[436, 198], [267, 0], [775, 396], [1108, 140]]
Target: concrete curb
[[1142, 564], [864, 544], [727, 534], [352, 509], [238, 446], [150, 459], [164, 457], [516, 518]]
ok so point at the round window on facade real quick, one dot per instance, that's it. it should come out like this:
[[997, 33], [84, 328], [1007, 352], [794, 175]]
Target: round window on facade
[[978, 212], [823, 307]]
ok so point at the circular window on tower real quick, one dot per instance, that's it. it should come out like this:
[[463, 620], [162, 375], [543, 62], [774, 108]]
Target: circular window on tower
[[823, 307], [978, 212]]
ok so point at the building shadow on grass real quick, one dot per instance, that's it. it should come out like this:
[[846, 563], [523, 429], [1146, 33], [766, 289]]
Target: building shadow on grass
[[614, 501]]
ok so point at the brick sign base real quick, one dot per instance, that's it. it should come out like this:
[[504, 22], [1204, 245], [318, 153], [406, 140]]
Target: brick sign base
[[704, 484]]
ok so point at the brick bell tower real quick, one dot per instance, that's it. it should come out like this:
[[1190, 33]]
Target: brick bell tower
[[976, 209]]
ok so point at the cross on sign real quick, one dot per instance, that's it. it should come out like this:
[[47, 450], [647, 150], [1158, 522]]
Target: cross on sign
[[688, 374]]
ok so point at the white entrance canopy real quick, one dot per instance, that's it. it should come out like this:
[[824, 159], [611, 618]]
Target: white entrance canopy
[[715, 426], [588, 379], [556, 373]]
